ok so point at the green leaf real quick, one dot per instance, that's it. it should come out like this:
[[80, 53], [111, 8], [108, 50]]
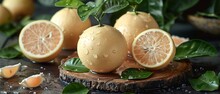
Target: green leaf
[[155, 8], [69, 3], [75, 88], [169, 22], [43, 17], [177, 7], [91, 8], [16, 47], [133, 73], [10, 29], [194, 48], [26, 20], [10, 52], [85, 11], [219, 75], [206, 82], [213, 9], [172, 9], [75, 65], [112, 6], [211, 15], [135, 1]]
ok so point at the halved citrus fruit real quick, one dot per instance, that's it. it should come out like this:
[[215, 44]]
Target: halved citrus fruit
[[33, 81], [9, 71], [179, 40], [41, 41], [153, 49]]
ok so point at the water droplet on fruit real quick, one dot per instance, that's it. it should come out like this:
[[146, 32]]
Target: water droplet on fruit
[[97, 32], [90, 63], [129, 35], [113, 51], [146, 26], [95, 56], [98, 44], [92, 38], [86, 52], [91, 48], [105, 55], [86, 60]]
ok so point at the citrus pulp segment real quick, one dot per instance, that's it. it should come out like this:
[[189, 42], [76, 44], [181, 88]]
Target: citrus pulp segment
[[41, 41], [9, 71], [33, 81], [153, 49]]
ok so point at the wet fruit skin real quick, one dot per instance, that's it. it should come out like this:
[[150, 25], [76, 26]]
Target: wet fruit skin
[[19, 8], [102, 49], [72, 26], [131, 24]]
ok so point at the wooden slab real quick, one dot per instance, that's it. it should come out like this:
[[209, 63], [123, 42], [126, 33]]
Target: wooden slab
[[171, 75]]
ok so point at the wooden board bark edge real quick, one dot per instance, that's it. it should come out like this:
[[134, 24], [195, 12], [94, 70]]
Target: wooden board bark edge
[[172, 75]]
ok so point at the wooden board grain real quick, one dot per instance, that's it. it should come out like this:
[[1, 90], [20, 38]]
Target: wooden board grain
[[171, 75]]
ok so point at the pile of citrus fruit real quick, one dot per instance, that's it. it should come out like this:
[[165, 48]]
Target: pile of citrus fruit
[[101, 48], [153, 48]]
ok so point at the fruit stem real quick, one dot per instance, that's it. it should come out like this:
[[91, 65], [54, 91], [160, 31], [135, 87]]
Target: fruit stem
[[99, 17], [134, 7], [98, 20]]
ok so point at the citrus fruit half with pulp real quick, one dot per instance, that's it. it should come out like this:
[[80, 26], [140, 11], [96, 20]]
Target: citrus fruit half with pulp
[[9, 71], [41, 41], [153, 49], [131, 24]]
